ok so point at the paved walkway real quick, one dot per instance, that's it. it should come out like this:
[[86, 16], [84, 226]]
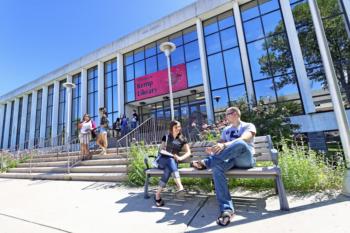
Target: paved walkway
[[84, 207]]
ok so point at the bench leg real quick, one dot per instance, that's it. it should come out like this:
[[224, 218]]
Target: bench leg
[[276, 187], [146, 195], [281, 193]]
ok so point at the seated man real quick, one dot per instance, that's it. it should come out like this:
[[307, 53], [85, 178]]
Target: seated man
[[235, 149]]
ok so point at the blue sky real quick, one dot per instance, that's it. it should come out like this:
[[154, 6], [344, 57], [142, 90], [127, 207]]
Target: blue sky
[[38, 36]]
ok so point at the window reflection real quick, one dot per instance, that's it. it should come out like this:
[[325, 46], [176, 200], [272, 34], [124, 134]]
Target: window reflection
[[194, 73], [265, 91], [220, 100], [216, 71]]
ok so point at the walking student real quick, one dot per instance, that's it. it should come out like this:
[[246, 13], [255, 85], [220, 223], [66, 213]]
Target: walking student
[[168, 159], [85, 136], [102, 139]]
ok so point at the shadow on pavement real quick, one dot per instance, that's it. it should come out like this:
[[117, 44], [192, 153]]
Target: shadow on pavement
[[249, 210], [175, 211]]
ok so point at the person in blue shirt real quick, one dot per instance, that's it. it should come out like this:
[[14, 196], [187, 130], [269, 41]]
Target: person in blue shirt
[[235, 149]]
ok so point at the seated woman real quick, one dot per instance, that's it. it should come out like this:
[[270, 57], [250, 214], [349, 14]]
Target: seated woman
[[172, 143]]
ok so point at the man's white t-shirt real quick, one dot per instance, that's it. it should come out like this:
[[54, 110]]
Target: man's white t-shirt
[[231, 133]]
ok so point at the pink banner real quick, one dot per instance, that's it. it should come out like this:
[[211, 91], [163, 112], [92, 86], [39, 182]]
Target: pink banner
[[157, 84]]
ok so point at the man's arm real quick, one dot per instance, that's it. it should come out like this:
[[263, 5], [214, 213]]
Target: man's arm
[[246, 136]]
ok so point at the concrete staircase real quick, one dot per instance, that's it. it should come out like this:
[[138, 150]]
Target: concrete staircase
[[112, 167]]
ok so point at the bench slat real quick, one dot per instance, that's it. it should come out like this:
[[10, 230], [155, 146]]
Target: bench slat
[[256, 171]]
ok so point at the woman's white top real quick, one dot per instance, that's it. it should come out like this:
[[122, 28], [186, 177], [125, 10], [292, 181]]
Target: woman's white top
[[86, 127]]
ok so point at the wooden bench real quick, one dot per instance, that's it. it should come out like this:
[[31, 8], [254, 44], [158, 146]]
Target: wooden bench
[[263, 152]]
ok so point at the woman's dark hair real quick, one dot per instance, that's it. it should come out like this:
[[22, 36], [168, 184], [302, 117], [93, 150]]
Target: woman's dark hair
[[85, 116], [171, 126]]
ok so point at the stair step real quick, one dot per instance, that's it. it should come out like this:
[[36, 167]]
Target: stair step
[[109, 151], [92, 162], [103, 177], [78, 169], [65, 158]]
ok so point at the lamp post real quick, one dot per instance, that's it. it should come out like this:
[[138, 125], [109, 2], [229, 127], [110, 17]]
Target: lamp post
[[69, 86], [168, 48]]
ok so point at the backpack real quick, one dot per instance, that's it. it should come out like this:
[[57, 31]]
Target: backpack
[[93, 131]]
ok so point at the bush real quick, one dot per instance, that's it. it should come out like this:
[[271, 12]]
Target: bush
[[9, 161], [136, 174], [303, 170]]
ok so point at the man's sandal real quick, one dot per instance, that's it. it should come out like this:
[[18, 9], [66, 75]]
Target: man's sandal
[[199, 165], [225, 218], [159, 202]]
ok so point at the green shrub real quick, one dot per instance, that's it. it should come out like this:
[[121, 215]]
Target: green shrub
[[136, 174], [9, 161], [303, 170]]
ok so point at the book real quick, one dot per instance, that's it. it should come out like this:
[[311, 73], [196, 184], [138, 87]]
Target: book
[[166, 153]]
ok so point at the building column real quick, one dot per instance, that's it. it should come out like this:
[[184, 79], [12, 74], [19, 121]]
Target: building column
[[100, 85], [204, 69], [7, 125], [33, 119], [43, 116], [68, 117], [244, 54], [2, 116], [14, 124], [23, 122], [56, 98], [339, 110], [120, 67], [83, 99], [304, 83], [346, 8]]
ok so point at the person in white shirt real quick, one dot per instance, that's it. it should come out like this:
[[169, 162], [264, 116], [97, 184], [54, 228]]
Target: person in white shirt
[[85, 127]]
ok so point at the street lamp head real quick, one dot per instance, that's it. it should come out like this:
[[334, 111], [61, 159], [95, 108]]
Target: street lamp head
[[69, 85], [217, 98], [167, 47]]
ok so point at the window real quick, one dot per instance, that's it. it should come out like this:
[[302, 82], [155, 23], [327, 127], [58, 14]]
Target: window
[[76, 98], [28, 120], [269, 54], [150, 59], [49, 109], [3, 127], [92, 105], [111, 88], [10, 127], [224, 62], [19, 121], [38, 117], [339, 43], [61, 127]]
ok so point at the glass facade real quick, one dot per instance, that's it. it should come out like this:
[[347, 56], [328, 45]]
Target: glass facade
[[28, 116], [19, 121], [150, 59], [224, 61], [111, 89], [61, 127], [92, 103], [76, 98], [3, 127], [10, 126], [49, 109], [38, 116], [339, 44], [270, 59]]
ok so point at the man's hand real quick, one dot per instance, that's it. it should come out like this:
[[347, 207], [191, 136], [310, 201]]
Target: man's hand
[[218, 148]]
